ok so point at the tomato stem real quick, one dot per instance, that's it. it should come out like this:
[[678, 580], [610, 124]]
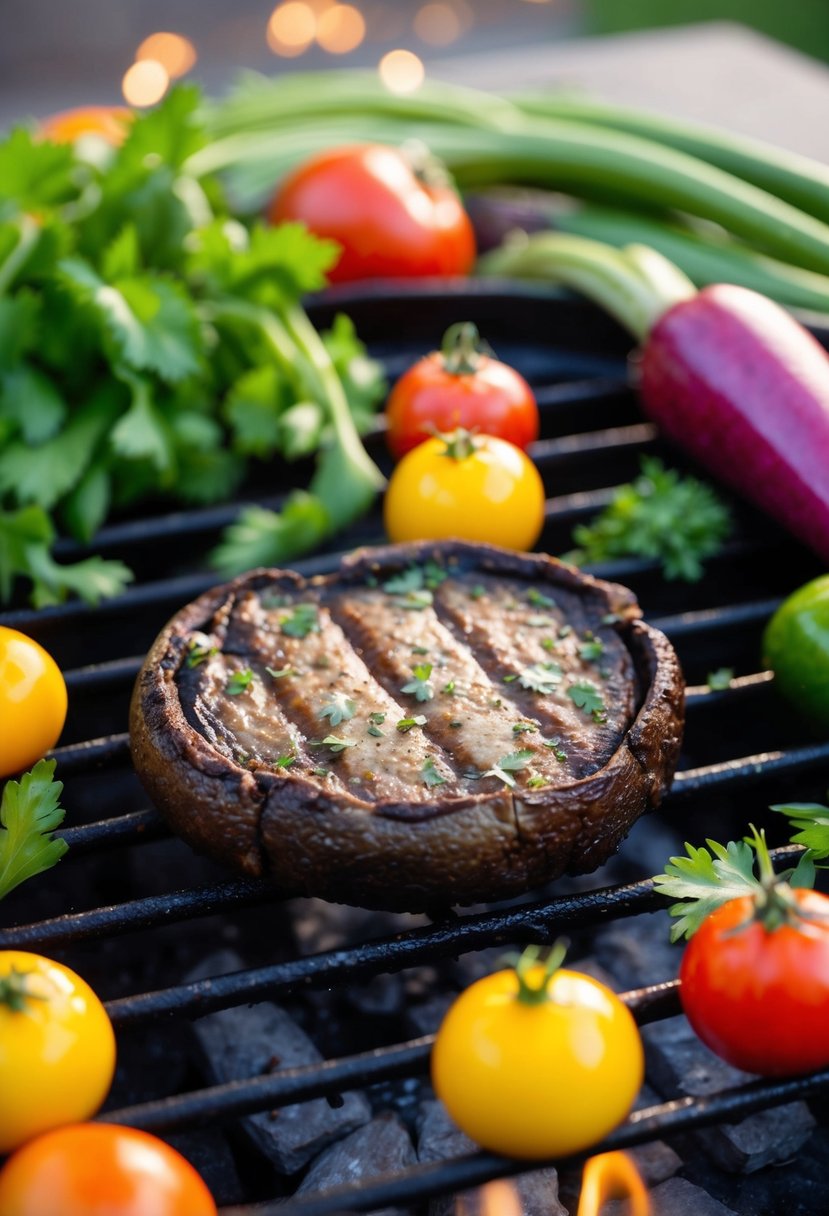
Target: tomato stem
[[530, 990], [461, 349], [15, 993], [460, 443]]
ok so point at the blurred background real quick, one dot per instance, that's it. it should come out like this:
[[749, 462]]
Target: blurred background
[[101, 51]]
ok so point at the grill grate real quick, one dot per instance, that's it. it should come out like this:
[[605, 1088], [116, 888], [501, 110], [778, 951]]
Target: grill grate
[[741, 752]]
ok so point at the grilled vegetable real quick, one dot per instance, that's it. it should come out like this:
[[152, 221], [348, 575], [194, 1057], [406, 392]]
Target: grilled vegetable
[[796, 648], [58, 1048], [32, 701], [754, 979], [727, 374], [98, 1169], [536, 1061], [473, 487], [389, 217], [460, 385]]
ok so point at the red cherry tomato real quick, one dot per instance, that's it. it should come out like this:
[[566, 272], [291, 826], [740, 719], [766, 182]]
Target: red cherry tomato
[[759, 996], [98, 1169], [388, 220], [460, 386]]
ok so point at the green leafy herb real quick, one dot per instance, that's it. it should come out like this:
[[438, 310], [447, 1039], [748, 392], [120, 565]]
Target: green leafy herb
[[334, 743], [282, 673], [340, 708], [538, 599], [302, 621], [811, 821], [420, 650], [541, 677], [477, 592], [507, 765], [430, 774], [536, 782], [540, 622], [29, 812], [587, 697], [406, 724], [520, 728], [420, 687], [239, 682], [198, 653], [709, 877], [678, 520], [449, 688], [455, 723], [375, 730], [377, 718], [548, 644], [720, 679], [565, 631], [321, 772], [285, 761], [555, 747], [591, 649]]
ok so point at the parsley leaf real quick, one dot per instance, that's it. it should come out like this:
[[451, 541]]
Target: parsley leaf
[[29, 813], [812, 823], [591, 649], [430, 774], [334, 743], [302, 621], [538, 599], [678, 520], [340, 708], [420, 686], [587, 697], [513, 763], [541, 677], [239, 682], [406, 724]]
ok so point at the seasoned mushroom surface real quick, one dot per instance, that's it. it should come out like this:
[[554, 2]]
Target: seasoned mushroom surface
[[428, 725]]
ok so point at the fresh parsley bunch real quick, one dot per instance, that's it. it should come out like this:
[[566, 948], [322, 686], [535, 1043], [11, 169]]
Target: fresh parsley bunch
[[150, 346]]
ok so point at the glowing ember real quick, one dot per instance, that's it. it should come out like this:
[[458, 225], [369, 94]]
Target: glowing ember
[[612, 1176], [145, 83], [340, 29], [175, 53], [401, 71], [292, 28]]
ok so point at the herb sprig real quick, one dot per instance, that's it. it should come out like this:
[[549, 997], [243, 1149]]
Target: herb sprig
[[30, 811]]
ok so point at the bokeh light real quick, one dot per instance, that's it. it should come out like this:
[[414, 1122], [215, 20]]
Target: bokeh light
[[340, 29], [438, 24], [401, 71], [145, 82], [291, 28], [174, 52]]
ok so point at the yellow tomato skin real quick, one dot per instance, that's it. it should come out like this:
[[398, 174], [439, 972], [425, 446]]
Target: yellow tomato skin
[[494, 495], [57, 1054], [540, 1080], [32, 701]]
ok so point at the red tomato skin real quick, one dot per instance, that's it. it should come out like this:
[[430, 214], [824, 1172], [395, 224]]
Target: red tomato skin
[[758, 999], [388, 222], [99, 1169], [494, 399]]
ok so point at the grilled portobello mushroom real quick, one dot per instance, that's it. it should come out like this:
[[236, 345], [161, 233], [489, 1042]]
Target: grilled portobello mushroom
[[429, 725]]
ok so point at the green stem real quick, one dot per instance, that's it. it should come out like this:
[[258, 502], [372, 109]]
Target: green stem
[[533, 990], [16, 260], [461, 349], [15, 993]]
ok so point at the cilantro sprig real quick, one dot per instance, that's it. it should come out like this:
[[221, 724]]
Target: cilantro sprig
[[30, 811], [676, 519]]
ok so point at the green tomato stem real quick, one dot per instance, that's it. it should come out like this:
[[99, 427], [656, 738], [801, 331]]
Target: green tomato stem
[[461, 349], [530, 991], [15, 993]]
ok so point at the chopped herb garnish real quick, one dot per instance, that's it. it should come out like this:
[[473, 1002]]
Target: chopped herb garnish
[[520, 728], [507, 765], [541, 677], [477, 592], [340, 708], [282, 673], [420, 650], [198, 653], [420, 687], [449, 688], [540, 622], [538, 599], [510, 679], [721, 678], [591, 650], [285, 761], [434, 574], [376, 731], [406, 724], [548, 644], [565, 631], [272, 599], [320, 772], [455, 723], [587, 697], [416, 601], [416, 584], [495, 702], [536, 781], [239, 682], [430, 774], [335, 743], [407, 580], [377, 718], [555, 747], [302, 621]]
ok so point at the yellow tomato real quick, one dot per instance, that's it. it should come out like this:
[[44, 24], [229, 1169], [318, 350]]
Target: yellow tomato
[[32, 701], [57, 1047], [471, 487], [532, 1077]]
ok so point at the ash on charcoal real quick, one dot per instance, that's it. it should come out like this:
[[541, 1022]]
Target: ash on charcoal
[[374, 1150], [252, 1040], [677, 1197], [439, 1140]]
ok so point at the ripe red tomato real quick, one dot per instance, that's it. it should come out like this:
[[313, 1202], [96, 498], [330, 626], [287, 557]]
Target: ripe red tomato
[[456, 386], [388, 220], [759, 997], [98, 1169]]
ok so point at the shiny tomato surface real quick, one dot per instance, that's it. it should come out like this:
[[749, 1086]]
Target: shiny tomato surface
[[32, 701], [760, 998], [98, 1169], [537, 1080], [487, 396], [57, 1048], [388, 220], [491, 492]]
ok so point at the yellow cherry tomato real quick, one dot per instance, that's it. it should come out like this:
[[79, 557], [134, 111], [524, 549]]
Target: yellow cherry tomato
[[32, 701], [539, 1075], [57, 1047], [471, 487]]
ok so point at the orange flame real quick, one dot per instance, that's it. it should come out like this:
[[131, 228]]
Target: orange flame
[[612, 1176]]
